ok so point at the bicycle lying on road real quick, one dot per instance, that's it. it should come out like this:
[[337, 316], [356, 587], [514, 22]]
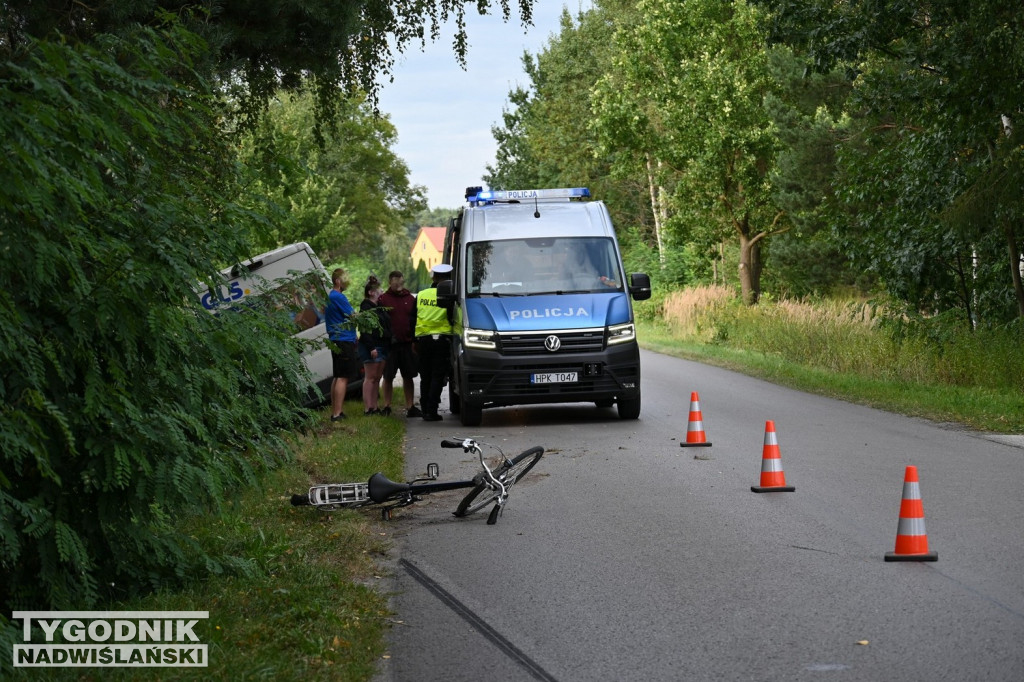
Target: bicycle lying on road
[[492, 484]]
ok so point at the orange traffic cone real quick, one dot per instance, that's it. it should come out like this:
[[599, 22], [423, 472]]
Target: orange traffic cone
[[911, 538], [773, 479], [695, 436]]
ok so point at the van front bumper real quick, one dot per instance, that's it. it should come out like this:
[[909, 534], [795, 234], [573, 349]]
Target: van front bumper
[[489, 378]]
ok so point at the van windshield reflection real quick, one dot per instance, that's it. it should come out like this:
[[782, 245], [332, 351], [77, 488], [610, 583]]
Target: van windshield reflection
[[527, 267]]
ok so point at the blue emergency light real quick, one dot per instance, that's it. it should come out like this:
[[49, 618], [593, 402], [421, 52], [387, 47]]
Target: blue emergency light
[[528, 194]]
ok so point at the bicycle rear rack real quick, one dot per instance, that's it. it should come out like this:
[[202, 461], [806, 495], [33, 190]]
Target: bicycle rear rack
[[334, 495]]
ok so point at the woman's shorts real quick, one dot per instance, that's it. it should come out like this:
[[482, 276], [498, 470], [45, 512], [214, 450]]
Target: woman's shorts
[[364, 354], [346, 359]]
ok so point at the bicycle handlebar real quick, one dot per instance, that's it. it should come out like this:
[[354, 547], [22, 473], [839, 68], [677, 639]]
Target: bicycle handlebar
[[452, 443]]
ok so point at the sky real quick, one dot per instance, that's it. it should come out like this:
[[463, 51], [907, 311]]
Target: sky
[[444, 114]]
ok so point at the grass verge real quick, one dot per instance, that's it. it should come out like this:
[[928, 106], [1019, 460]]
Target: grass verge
[[304, 608], [986, 409]]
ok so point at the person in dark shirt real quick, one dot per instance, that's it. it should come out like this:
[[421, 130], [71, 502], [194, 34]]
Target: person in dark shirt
[[402, 355]]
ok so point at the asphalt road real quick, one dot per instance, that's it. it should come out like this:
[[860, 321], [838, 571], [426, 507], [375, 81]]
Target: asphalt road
[[626, 557]]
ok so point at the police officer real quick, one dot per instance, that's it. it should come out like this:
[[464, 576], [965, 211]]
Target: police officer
[[433, 344]]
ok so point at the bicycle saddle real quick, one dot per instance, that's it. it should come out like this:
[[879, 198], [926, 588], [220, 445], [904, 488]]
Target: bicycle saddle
[[382, 488]]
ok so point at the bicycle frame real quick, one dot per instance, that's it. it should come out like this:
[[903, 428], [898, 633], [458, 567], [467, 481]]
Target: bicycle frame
[[381, 490]]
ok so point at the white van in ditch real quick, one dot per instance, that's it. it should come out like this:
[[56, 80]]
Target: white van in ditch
[[296, 279], [541, 304]]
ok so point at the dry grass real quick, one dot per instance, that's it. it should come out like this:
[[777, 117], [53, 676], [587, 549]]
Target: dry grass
[[849, 337]]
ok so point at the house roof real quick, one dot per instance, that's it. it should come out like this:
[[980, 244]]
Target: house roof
[[435, 235]]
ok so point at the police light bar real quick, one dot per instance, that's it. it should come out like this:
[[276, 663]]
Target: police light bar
[[529, 194]]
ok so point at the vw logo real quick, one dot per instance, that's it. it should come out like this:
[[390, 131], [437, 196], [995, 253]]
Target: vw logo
[[552, 343]]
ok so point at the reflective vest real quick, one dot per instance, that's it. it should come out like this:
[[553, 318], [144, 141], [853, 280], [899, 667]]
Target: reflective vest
[[430, 317]]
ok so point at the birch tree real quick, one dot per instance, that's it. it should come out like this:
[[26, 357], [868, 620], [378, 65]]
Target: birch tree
[[688, 90]]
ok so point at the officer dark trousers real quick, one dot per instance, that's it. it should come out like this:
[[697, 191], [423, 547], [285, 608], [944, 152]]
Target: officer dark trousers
[[435, 358]]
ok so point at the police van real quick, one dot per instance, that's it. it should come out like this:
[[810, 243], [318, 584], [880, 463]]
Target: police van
[[541, 304], [290, 279]]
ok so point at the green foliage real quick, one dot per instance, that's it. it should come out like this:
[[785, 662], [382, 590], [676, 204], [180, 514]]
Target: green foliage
[[544, 140], [123, 403], [688, 93], [880, 142], [260, 47], [433, 217], [930, 166], [306, 607], [421, 280], [344, 197]]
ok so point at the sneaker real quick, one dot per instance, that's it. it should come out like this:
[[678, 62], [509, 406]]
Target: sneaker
[[370, 413], [385, 411], [413, 412], [432, 417], [338, 417]]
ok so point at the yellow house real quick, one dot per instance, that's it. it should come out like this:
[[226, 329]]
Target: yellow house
[[428, 247]]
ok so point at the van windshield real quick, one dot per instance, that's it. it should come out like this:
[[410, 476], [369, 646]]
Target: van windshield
[[550, 265], [302, 299]]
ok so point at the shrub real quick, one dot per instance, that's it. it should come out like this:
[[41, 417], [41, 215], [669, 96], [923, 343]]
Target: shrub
[[869, 339], [122, 402]]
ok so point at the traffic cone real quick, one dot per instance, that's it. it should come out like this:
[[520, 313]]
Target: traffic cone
[[773, 479], [695, 437], [911, 538]]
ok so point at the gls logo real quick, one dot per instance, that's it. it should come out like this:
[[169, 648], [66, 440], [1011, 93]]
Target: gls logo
[[538, 313], [234, 293]]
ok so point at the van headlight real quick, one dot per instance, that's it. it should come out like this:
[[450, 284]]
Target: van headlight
[[621, 333], [480, 338]]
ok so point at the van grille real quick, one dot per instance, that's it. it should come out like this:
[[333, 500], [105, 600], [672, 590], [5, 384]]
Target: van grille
[[532, 343]]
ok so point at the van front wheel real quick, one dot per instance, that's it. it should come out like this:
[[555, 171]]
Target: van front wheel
[[471, 414], [629, 408]]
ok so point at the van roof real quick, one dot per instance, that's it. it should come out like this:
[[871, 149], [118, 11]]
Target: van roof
[[517, 221], [272, 256]]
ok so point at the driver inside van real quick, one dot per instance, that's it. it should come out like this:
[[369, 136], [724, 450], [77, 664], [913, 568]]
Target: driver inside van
[[584, 274]]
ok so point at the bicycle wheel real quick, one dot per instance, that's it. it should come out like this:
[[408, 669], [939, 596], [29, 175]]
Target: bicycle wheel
[[481, 496]]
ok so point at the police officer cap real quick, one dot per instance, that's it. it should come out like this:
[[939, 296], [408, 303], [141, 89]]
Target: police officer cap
[[441, 269]]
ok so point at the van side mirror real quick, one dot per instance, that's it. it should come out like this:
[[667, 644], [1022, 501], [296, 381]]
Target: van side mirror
[[640, 286], [446, 290]]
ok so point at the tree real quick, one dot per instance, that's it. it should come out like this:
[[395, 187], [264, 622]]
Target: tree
[[687, 93], [347, 196], [514, 165], [931, 168], [260, 47], [123, 403], [546, 139], [808, 113]]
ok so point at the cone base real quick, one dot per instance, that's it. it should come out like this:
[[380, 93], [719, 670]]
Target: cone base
[[695, 445], [772, 488], [927, 556]]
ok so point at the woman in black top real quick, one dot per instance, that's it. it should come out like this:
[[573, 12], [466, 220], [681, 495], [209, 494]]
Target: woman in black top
[[373, 346]]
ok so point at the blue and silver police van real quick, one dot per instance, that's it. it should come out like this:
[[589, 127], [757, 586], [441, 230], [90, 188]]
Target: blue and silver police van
[[541, 304]]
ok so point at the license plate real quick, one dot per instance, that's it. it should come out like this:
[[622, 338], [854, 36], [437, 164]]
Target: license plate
[[555, 378]]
